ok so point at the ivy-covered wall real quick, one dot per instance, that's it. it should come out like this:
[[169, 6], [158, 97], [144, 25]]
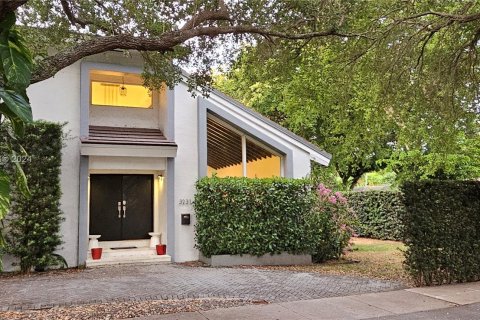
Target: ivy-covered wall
[[34, 220]]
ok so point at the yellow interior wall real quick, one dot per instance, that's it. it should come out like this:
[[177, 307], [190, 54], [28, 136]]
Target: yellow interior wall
[[231, 171], [263, 168], [108, 94]]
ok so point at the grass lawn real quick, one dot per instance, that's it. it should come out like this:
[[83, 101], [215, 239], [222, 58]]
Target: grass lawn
[[372, 258]]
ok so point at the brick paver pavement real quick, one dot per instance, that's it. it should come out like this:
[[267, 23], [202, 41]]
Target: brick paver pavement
[[170, 281]]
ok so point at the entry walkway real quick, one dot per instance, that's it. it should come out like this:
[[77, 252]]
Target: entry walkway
[[453, 302], [170, 281]]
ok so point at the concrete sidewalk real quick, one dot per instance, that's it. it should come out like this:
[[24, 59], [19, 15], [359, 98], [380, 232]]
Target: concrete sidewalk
[[364, 306]]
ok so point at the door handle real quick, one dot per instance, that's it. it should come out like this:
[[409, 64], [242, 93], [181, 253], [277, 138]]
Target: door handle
[[124, 209], [119, 208]]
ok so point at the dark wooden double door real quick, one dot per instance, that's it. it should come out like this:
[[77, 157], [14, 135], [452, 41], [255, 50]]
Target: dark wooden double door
[[121, 206]]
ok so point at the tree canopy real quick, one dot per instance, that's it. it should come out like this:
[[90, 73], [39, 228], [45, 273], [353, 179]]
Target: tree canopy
[[411, 66], [314, 96], [406, 95], [181, 32]]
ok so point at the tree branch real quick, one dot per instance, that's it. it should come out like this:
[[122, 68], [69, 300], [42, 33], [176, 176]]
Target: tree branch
[[166, 42], [7, 6], [209, 15], [74, 20], [71, 17], [461, 18]]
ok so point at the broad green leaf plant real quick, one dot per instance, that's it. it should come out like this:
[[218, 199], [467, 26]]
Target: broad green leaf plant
[[15, 74]]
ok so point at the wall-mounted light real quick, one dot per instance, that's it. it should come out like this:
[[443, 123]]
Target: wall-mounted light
[[160, 178], [123, 89]]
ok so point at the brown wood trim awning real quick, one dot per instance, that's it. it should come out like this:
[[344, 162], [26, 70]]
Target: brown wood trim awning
[[126, 136], [224, 147]]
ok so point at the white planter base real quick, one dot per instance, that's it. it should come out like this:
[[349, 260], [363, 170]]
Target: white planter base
[[282, 259]]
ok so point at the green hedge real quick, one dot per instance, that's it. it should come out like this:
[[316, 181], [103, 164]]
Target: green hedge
[[378, 213], [252, 216], [34, 220], [259, 216], [442, 231]]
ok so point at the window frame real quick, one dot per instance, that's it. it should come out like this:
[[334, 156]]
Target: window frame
[[244, 136], [153, 97]]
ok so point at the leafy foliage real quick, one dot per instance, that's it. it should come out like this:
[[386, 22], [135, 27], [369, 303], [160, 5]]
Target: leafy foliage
[[330, 224], [252, 216], [34, 219], [316, 96], [441, 231], [15, 68], [169, 34], [378, 213], [259, 216], [15, 71], [463, 162], [364, 113]]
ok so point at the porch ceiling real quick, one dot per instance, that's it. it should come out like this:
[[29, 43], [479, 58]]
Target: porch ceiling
[[224, 146]]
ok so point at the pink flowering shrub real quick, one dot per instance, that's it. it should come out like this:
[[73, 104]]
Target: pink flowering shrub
[[330, 224]]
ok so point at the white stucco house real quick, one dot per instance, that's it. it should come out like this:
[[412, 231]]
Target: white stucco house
[[132, 157]]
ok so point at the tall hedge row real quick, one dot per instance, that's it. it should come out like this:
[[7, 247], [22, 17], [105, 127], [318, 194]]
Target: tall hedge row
[[442, 231], [252, 216], [378, 213], [33, 232], [259, 216]]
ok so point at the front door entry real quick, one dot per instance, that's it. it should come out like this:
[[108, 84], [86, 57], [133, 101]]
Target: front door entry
[[121, 206]]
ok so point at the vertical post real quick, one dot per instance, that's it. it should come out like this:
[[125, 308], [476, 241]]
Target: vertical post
[[83, 214], [244, 155]]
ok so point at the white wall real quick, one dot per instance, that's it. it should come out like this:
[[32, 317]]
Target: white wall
[[186, 171], [301, 163], [58, 99]]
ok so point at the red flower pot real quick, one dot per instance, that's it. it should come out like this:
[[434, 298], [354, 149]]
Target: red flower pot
[[161, 249], [96, 253]]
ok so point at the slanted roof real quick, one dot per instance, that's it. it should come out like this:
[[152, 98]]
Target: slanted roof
[[236, 113], [126, 136], [269, 122], [272, 124]]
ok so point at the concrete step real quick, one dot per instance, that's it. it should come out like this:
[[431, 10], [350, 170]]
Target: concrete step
[[127, 256], [124, 243]]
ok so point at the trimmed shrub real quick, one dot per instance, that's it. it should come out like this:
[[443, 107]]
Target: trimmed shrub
[[259, 216], [34, 220], [378, 213], [252, 216], [330, 224], [442, 231]]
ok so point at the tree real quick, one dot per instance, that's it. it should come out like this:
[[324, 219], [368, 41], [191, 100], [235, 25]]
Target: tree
[[417, 63], [407, 37], [420, 45], [15, 71], [179, 31], [315, 95]]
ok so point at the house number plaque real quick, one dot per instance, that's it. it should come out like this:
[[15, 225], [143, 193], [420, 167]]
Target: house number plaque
[[185, 202]]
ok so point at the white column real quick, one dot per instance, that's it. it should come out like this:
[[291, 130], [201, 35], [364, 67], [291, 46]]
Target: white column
[[156, 190], [244, 155]]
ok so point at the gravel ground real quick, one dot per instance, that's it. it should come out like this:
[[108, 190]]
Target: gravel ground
[[123, 310]]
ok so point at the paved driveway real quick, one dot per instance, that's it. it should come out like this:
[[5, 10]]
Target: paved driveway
[[170, 281]]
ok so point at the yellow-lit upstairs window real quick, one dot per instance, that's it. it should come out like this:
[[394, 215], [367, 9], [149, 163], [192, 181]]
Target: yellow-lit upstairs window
[[117, 89]]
